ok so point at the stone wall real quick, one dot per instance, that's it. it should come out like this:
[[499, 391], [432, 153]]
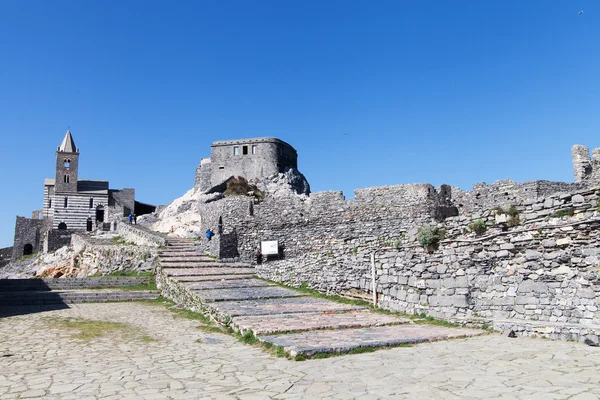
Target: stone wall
[[5, 256], [54, 240], [104, 257], [547, 268], [28, 233], [140, 235]]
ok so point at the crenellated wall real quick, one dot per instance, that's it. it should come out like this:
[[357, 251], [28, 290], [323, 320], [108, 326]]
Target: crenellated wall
[[546, 268]]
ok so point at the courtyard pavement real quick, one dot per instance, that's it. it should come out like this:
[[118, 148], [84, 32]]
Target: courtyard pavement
[[162, 355]]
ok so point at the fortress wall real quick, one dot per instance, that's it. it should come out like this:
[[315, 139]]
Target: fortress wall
[[506, 192], [546, 268], [307, 226]]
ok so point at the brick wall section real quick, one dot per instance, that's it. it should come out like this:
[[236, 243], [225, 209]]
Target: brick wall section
[[546, 269]]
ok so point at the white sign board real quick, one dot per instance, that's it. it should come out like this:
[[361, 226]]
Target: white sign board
[[269, 247]]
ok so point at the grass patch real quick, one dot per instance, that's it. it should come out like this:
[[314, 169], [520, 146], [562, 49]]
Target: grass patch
[[356, 350], [28, 257], [87, 329], [119, 241]]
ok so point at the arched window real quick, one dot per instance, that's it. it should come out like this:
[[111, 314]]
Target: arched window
[[66, 202], [28, 249], [62, 226], [66, 178], [67, 163]]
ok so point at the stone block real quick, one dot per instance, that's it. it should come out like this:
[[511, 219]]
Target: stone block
[[577, 199], [502, 254], [459, 301], [531, 255], [507, 246], [548, 243], [462, 282]]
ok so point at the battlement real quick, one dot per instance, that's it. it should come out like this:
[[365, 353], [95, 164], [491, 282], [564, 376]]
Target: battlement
[[586, 168]]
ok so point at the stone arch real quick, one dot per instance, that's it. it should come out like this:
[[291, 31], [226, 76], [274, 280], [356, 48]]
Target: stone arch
[[62, 226], [28, 249]]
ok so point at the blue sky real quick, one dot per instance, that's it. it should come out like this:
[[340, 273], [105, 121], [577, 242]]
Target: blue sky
[[369, 93]]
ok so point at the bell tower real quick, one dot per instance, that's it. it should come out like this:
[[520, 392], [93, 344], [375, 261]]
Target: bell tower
[[67, 164]]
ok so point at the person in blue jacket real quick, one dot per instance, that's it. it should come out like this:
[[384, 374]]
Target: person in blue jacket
[[209, 234]]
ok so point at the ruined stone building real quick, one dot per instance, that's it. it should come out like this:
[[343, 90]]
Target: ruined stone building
[[71, 204]]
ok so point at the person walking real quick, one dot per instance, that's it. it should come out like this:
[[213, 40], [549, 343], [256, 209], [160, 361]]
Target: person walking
[[134, 219], [209, 234], [130, 218]]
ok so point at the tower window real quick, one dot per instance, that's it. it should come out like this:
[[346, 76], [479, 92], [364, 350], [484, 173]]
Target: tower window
[[245, 150], [92, 202], [66, 178], [67, 163], [66, 202], [49, 203], [236, 150], [253, 149]]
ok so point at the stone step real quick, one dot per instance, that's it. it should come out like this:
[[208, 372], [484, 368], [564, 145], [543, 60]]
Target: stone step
[[227, 284], [342, 341], [181, 254], [286, 305], [248, 293], [59, 297], [207, 278], [177, 272], [270, 324], [202, 265]]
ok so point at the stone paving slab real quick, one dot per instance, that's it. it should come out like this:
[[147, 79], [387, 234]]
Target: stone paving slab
[[269, 324], [202, 264], [228, 284], [40, 360], [208, 271], [206, 278], [280, 306], [249, 293], [342, 341]]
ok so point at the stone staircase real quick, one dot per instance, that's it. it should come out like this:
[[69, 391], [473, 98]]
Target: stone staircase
[[27, 292], [232, 295]]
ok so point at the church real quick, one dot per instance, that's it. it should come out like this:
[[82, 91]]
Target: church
[[70, 205]]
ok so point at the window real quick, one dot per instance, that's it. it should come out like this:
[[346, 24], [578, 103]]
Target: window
[[66, 178], [66, 202], [49, 203], [92, 202], [253, 149], [67, 163], [62, 226], [245, 150], [236, 150]]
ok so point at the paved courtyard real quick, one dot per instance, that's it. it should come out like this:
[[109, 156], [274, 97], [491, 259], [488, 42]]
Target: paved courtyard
[[160, 355]]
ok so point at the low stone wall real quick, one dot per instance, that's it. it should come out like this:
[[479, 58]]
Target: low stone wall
[[179, 294], [547, 268], [105, 257], [140, 235]]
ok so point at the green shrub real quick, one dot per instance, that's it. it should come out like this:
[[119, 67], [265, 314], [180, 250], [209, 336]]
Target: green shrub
[[430, 235], [478, 226], [566, 212], [512, 212], [240, 187]]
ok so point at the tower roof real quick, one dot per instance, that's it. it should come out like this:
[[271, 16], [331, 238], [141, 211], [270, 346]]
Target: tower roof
[[68, 145]]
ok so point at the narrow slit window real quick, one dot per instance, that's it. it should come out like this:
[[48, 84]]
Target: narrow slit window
[[49, 203], [245, 150], [66, 202], [91, 202], [66, 178], [236, 150], [253, 149]]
